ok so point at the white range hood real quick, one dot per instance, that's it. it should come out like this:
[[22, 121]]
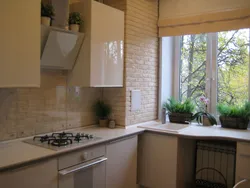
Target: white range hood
[[59, 48]]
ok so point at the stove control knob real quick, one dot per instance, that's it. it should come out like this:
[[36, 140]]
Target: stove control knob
[[84, 156]]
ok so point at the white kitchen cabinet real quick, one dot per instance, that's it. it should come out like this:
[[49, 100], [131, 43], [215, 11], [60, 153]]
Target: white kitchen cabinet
[[20, 43], [39, 175], [243, 164], [121, 166], [165, 161], [101, 57]]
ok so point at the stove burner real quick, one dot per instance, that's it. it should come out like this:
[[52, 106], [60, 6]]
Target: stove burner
[[60, 142], [63, 138], [43, 138]]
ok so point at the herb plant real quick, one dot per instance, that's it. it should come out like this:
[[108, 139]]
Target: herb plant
[[174, 106], [75, 18], [47, 10], [242, 112], [101, 109]]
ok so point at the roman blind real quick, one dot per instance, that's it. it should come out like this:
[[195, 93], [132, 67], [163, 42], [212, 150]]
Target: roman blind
[[180, 17]]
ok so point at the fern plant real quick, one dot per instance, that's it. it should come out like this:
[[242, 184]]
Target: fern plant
[[174, 106], [242, 112]]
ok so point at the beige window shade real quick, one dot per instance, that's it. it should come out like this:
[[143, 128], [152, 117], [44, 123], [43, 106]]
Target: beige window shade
[[202, 17]]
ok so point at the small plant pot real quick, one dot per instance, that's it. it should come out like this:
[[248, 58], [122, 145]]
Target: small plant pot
[[183, 118], [205, 121], [45, 20], [233, 123], [74, 27], [103, 122]]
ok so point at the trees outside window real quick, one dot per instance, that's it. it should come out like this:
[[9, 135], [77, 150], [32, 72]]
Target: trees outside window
[[215, 65]]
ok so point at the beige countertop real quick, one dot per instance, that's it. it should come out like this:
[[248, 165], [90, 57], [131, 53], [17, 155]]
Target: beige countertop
[[16, 153], [199, 132]]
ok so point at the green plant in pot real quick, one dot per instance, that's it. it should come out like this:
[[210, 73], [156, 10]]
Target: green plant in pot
[[203, 117], [179, 112], [47, 13], [75, 20], [236, 117], [102, 111]]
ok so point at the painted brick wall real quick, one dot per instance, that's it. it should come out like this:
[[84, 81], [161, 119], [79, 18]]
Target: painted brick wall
[[141, 59], [53, 107]]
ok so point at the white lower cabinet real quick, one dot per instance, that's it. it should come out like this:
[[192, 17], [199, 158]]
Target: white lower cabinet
[[165, 161], [121, 166], [38, 175], [243, 164], [158, 160]]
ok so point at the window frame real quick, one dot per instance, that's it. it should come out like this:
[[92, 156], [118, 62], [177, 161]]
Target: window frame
[[211, 70]]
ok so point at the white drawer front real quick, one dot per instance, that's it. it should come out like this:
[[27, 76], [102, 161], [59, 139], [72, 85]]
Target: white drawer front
[[77, 157]]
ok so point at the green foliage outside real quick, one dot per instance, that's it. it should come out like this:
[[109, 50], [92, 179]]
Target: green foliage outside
[[232, 67], [238, 111], [174, 106]]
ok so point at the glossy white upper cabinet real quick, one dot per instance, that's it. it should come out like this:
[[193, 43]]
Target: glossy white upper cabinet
[[100, 60], [20, 43]]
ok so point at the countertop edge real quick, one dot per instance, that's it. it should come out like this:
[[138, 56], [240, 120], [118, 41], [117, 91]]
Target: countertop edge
[[16, 166]]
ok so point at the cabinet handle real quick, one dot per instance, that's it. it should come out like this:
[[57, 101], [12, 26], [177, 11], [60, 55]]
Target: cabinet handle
[[82, 166]]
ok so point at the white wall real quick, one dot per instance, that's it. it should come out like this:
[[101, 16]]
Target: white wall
[[166, 71]]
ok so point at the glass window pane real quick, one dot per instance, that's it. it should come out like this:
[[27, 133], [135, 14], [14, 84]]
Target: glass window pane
[[233, 62], [193, 67]]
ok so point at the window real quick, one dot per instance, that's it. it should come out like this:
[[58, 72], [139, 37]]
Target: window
[[212, 64]]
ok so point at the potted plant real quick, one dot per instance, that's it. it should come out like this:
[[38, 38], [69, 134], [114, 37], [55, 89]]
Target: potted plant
[[102, 111], [75, 21], [179, 112], [203, 116], [236, 117], [47, 13]]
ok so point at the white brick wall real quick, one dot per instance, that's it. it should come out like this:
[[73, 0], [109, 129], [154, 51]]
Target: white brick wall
[[141, 59]]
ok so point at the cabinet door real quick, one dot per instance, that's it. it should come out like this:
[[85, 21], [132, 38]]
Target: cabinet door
[[20, 43], [157, 160], [38, 176], [243, 164], [121, 166], [107, 44]]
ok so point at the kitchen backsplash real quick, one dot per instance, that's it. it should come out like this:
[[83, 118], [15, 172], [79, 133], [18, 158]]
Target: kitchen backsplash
[[52, 107]]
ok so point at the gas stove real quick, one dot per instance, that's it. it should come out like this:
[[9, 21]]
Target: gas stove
[[61, 140]]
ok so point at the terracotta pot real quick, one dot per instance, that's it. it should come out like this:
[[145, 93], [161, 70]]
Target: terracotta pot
[[74, 27], [183, 118], [103, 122], [45, 20], [205, 121]]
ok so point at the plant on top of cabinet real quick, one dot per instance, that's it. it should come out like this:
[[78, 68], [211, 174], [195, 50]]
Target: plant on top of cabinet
[[75, 21], [236, 117], [102, 111], [179, 112], [47, 13], [203, 117]]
